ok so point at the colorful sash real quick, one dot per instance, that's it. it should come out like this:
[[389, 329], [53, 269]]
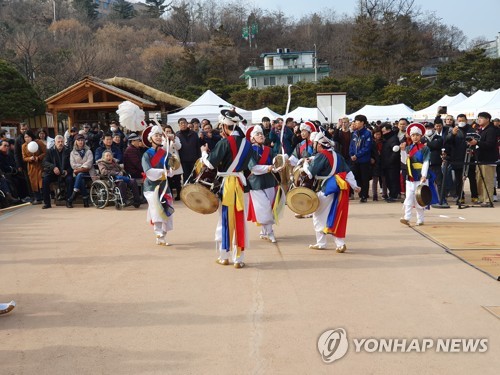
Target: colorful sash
[[336, 222], [233, 200]]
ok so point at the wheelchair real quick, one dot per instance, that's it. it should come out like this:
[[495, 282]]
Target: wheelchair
[[105, 190]]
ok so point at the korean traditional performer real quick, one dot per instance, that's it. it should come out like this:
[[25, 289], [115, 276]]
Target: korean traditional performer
[[266, 195], [416, 157], [305, 148], [155, 163], [331, 215], [232, 156]]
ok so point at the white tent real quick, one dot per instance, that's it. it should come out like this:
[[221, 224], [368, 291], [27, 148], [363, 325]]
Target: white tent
[[488, 101], [493, 106], [305, 114], [385, 112], [431, 111], [263, 112], [206, 106]]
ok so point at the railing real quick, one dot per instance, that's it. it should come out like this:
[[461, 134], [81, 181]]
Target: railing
[[281, 67]]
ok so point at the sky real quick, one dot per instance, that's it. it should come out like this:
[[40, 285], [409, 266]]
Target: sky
[[476, 18]]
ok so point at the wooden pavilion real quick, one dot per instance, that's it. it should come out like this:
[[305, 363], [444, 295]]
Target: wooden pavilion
[[93, 100]]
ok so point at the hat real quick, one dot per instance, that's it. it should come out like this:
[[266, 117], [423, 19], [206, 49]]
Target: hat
[[252, 131], [79, 136], [229, 117], [415, 128], [308, 126], [323, 140], [429, 125], [73, 129], [148, 133], [133, 137]]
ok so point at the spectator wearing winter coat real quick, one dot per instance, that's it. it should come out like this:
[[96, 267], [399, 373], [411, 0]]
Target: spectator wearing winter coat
[[82, 163], [391, 161], [57, 168], [190, 150], [360, 150]]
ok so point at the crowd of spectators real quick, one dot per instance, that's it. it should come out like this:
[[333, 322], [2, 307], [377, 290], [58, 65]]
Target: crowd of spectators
[[372, 151]]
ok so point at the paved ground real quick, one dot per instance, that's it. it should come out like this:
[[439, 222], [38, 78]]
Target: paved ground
[[96, 296]]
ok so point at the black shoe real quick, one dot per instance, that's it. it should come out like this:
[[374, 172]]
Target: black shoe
[[390, 200], [86, 202], [45, 206], [363, 200], [137, 204], [177, 198], [69, 204]]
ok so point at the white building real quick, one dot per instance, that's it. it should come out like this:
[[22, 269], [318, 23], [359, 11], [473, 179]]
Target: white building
[[492, 48], [285, 67]]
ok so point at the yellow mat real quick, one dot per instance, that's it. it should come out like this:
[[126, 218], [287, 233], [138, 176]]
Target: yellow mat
[[463, 236], [477, 244]]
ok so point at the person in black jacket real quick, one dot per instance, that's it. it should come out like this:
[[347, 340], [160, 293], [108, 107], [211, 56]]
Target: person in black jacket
[[456, 149], [435, 144], [56, 167], [190, 150], [487, 156], [391, 161]]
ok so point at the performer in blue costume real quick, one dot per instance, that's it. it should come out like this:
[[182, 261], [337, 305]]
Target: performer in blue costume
[[331, 215], [155, 165], [232, 156], [266, 195], [417, 158]]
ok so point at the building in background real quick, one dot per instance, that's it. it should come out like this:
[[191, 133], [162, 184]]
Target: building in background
[[285, 67], [492, 48]]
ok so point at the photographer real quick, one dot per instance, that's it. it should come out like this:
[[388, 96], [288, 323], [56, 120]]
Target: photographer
[[208, 137], [456, 149], [487, 156]]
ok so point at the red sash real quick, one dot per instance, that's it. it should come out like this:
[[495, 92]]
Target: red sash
[[157, 157], [329, 156], [233, 146], [303, 147], [265, 155]]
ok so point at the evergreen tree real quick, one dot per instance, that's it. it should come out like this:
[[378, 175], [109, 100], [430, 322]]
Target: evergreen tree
[[18, 99], [122, 9], [156, 8], [87, 8]]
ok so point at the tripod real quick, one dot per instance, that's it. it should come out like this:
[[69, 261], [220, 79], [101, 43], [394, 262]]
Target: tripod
[[468, 155]]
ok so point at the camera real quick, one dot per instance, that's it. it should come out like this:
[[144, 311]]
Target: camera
[[472, 136]]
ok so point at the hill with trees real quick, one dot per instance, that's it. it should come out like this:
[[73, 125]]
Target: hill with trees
[[186, 47]]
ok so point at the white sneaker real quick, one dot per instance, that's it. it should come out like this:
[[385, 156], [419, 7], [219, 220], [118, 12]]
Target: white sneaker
[[495, 199], [272, 238]]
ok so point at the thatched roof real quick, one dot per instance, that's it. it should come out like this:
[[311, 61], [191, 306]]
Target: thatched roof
[[154, 94]]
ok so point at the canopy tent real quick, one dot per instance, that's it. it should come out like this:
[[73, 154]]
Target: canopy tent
[[431, 111], [206, 106], [493, 106], [304, 114], [385, 112], [481, 101], [263, 112]]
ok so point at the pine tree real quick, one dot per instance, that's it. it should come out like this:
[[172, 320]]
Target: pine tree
[[124, 10]]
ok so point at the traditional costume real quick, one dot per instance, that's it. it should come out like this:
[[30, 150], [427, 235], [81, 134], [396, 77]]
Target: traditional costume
[[231, 156], [331, 215], [266, 196], [305, 148], [417, 158], [155, 163]]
